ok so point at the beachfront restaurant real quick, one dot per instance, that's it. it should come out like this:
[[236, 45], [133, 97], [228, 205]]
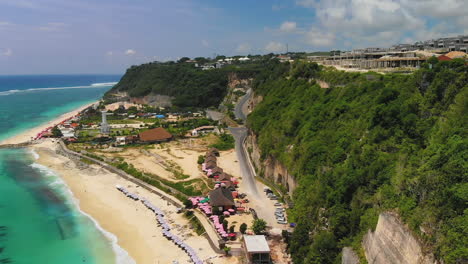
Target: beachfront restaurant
[[257, 249], [221, 198]]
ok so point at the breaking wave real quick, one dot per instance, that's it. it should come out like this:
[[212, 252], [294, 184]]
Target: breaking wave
[[93, 85]]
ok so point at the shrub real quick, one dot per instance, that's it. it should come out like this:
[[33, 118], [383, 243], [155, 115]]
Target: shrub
[[243, 228]]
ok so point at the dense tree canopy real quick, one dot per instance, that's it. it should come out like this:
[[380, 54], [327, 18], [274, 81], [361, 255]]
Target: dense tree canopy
[[190, 86], [368, 144]]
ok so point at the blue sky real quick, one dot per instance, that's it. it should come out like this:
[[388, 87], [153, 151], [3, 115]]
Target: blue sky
[[108, 36]]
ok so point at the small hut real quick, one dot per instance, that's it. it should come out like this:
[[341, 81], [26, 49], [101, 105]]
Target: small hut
[[221, 198], [215, 151], [224, 177], [210, 165], [211, 158], [216, 171]]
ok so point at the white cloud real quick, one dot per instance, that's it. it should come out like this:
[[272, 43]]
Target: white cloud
[[318, 38], [307, 3], [288, 26], [53, 26], [382, 23], [6, 52], [5, 23], [243, 48], [109, 53], [205, 43], [437, 8], [130, 52], [275, 47]]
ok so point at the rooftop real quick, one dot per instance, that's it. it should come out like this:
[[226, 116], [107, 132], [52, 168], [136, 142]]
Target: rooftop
[[256, 244], [221, 197], [155, 134]]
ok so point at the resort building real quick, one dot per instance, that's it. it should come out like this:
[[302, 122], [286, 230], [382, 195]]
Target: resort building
[[398, 56], [202, 130], [155, 135], [257, 249], [221, 198], [105, 128]]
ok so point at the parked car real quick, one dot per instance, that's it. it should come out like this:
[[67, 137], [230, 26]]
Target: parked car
[[278, 204], [273, 198], [281, 222], [280, 210]]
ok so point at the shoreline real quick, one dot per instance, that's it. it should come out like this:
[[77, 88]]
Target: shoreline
[[134, 227], [26, 136]]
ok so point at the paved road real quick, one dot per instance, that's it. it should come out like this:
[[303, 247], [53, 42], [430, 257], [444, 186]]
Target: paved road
[[241, 106], [248, 176], [258, 200]]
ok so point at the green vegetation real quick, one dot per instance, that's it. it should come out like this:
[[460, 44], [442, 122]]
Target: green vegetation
[[201, 159], [243, 228], [226, 250], [197, 226], [183, 188], [56, 132], [190, 86], [225, 142], [370, 143], [259, 226]]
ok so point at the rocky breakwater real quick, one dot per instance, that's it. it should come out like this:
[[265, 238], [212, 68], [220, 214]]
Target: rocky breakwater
[[392, 242]]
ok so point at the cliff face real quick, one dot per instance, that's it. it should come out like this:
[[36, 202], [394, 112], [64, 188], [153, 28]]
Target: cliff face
[[235, 81], [392, 242], [155, 100], [272, 169]]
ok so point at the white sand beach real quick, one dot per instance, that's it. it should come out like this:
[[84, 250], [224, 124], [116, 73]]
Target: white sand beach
[[134, 225], [27, 135]]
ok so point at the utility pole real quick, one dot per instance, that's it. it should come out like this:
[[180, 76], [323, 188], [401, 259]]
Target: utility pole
[[287, 48]]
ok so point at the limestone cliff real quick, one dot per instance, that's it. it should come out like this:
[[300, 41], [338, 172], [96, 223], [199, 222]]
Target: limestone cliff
[[392, 242], [155, 100], [234, 81], [271, 168]]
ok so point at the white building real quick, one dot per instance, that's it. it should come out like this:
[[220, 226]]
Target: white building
[[257, 249]]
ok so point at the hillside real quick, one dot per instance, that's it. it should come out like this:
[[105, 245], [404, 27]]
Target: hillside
[[370, 143], [187, 85]]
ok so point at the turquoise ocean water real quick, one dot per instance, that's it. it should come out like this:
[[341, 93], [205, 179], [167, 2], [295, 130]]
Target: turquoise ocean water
[[40, 221]]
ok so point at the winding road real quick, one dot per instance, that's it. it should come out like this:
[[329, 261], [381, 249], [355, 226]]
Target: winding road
[[258, 200]]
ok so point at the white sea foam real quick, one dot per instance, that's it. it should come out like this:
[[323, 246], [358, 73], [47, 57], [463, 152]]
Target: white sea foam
[[104, 84], [122, 256], [94, 85], [34, 154]]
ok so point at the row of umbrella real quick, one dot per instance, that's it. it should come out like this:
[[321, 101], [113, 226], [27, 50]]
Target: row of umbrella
[[128, 194], [164, 225], [220, 228], [41, 134]]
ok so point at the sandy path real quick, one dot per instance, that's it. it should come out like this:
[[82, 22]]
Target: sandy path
[[134, 225]]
